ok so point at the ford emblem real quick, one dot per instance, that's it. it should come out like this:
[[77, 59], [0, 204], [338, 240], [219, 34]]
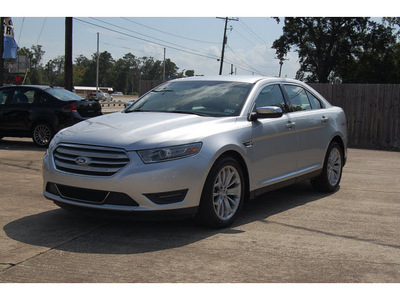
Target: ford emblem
[[82, 161]]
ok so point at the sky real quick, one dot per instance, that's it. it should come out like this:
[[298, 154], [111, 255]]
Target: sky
[[192, 43], [190, 32]]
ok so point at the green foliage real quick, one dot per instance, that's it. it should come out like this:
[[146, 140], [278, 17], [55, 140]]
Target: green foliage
[[123, 74], [341, 49]]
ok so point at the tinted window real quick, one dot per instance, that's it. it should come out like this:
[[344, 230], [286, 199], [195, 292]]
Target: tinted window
[[210, 98], [315, 103], [3, 95], [271, 96], [23, 96], [62, 94], [298, 98]]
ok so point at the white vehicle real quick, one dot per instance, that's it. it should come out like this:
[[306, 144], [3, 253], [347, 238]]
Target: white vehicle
[[199, 147], [101, 96]]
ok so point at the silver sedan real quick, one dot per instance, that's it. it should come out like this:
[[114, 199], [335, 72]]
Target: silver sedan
[[198, 147]]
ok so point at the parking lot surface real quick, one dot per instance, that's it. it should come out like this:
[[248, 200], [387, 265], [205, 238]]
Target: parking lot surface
[[289, 235]]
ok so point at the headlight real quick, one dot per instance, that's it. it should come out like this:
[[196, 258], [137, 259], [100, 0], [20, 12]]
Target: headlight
[[53, 143], [169, 153]]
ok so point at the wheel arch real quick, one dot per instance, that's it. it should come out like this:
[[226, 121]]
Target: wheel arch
[[45, 121], [239, 158], [340, 141]]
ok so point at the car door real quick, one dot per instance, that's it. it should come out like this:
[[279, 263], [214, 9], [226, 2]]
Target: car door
[[274, 142], [16, 114], [4, 95], [311, 120]]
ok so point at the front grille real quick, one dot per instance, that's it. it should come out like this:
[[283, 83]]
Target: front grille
[[88, 160], [89, 195]]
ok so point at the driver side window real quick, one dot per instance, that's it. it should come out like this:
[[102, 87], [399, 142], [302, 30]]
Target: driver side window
[[271, 95]]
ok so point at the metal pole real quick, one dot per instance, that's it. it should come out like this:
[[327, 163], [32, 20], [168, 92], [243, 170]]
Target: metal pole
[[1, 52], [97, 69], [164, 67], [68, 79]]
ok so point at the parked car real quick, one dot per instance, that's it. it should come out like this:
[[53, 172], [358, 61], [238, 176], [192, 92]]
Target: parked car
[[100, 96], [129, 103], [118, 93], [41, 111], [199, 147]]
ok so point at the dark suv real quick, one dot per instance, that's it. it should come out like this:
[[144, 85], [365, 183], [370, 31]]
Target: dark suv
[[41, 111]]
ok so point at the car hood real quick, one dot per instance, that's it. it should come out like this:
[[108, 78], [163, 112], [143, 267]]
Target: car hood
[[143, 130]]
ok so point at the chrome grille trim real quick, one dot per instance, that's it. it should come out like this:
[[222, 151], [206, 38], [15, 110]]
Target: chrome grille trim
[[99, 161]]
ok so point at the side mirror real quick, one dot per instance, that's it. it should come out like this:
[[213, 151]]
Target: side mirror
[[265, 112]]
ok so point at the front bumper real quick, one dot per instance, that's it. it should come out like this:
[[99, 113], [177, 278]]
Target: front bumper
[[160, 187]]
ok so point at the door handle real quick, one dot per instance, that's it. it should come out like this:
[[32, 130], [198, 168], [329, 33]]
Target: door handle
[[324, 119], [290, 124]]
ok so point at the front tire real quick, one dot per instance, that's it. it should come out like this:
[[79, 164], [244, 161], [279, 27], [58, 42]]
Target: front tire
[[42, 133], [223, 194], [331, 174]]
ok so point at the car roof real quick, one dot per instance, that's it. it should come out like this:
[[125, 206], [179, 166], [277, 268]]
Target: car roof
[[42, 87], [237, 78]]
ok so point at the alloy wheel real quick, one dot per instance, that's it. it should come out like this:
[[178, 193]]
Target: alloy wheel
[[227, 192], [334, 166]]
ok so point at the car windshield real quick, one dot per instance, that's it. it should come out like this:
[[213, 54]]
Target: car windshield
[[205, 98], [63, 94]]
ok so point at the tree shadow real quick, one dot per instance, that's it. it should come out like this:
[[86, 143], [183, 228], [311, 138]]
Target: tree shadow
[[19, 144], [62, 230]]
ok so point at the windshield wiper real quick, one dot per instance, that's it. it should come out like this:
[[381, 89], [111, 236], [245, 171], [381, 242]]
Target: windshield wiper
[[163, 91], [139, 110], [186, 112]]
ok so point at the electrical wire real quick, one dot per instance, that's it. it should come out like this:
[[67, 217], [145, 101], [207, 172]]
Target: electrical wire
[[242, 60], [20, 31], [171, 34], [149, 41], [175, 47], [41, 30]]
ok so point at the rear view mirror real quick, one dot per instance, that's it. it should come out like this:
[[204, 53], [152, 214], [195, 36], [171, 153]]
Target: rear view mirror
[[265, 112]]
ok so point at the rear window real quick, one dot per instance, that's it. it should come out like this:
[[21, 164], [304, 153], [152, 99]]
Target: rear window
[[62, 94]]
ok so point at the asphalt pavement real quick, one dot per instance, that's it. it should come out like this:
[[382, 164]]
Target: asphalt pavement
[[290, 235]]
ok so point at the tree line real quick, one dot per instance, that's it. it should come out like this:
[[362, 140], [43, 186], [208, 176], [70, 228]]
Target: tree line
[[122, 75], [330, 49], [342, 50]]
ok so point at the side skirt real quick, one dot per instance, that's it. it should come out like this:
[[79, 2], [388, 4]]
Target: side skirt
[[275, 186]]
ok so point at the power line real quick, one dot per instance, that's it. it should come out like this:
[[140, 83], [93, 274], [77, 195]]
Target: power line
[[242, 60], [181, 49], [248, 29], [149, 41], [41, 30], [171, 34], [20, 31]]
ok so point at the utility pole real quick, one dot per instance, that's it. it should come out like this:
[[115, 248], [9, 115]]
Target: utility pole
[[1, 52], [164, 67], [97, 69], [281, 63], [224, 40], [68, 80]]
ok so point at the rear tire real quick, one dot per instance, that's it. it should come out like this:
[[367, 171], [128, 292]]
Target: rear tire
[[223, 194], [331, 174], [42, 133]]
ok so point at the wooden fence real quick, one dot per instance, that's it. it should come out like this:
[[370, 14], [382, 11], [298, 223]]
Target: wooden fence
[[372, 111]]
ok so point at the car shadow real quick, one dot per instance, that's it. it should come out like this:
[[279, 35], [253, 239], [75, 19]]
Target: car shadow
[[62, 230], [19, 144]]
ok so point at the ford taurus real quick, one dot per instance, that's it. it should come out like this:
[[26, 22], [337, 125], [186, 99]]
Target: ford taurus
[[199, 147]]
